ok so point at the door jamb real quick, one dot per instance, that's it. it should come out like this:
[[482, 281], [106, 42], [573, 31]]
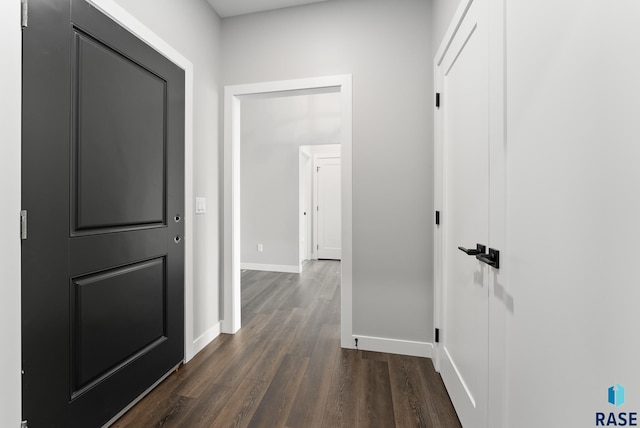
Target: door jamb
[[231, 267], [126, 20]]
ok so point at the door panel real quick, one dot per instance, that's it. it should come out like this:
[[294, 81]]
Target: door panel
[[119, 166], [329, 209], [466, 217], [136, 294], [103, 182]]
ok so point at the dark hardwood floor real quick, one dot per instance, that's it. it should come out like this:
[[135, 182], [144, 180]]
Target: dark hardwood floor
[[285, 368]]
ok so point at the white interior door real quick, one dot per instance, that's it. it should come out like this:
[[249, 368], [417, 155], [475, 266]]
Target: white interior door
[[305, 201], [464, 111], [328, 208]]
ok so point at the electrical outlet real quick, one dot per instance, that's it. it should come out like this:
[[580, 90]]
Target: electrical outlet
[[259, 248]]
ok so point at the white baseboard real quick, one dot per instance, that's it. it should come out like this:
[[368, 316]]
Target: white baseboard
[[271, 268], [394, 346], [203, 340]]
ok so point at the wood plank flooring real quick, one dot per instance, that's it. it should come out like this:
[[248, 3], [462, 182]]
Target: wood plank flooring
[[285, 368]]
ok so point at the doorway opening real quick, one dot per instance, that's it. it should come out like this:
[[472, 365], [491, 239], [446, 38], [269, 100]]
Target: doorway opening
[[327, 239], [320, 202], [281, 138], [234, 96]]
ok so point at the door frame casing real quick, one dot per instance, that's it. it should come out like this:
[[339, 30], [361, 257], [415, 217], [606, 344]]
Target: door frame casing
[[231, 266], [129, 22], [498, 279], [10, 191]]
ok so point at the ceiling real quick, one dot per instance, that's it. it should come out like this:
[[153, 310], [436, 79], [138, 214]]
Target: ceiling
[[227, 8]]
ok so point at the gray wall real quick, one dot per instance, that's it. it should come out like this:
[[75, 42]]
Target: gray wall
[[386, 46], [272, 131], [193, 28]]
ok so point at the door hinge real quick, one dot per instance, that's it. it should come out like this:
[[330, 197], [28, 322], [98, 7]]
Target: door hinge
[[23, 224], [25, 13], [317, 247], [317, 169], [437, 218], [24, 424], [437, 335], [437, 99]]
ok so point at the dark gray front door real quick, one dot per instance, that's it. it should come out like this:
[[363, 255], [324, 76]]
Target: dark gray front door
[[103, 184]]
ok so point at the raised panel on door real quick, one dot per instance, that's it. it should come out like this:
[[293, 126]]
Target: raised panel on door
[[464, 345], [132, 299], [119, 143], [103, 183]]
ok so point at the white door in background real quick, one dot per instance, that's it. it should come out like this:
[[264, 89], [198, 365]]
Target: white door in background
[[328, 208], [464, 340], [305, 205]]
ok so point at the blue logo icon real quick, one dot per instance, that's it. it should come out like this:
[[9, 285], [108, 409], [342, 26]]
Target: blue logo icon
[[616, 395]]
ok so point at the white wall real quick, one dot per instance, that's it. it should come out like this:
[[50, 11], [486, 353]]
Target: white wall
[[10, 101], [193, 29], [386, 46], [272, 131], [573, 109]]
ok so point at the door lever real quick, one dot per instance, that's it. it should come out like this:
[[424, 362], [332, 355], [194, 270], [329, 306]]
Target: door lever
[[492, 259], [480, 249]]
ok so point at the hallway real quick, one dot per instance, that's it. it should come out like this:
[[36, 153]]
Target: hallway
[[285, 367]]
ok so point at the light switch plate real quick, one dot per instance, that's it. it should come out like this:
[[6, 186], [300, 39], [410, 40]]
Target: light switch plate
[[201, 205]]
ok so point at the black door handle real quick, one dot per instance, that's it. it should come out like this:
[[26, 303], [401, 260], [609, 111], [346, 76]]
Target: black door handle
[[492, 259], [480, 249]]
